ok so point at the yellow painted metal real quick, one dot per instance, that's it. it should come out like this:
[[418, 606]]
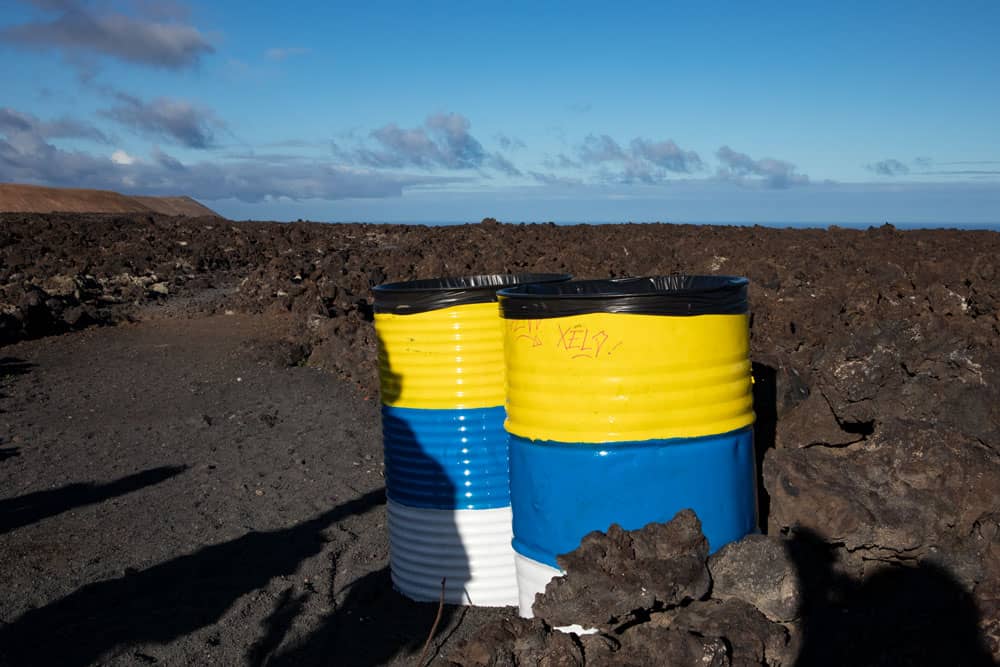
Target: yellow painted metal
[[445, 359], [613, 377]]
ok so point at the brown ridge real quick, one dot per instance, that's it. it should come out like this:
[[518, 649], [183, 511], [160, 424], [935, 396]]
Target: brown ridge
[[20, 198]]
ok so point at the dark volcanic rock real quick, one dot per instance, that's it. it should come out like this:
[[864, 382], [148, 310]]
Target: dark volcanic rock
[[516, 641], [750, 638], [612, 575], [648, 645], [903, 491], [876, 352], [758, 570]]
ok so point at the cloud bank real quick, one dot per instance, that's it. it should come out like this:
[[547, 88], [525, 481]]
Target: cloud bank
[[177, 120], [15, 123], [643, 161], [443, 141], [889, 167], [28, 156], [78, 28], [772, 173]]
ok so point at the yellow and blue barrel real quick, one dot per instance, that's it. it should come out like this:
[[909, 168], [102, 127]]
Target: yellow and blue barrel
[[441, 371], [627, 401]]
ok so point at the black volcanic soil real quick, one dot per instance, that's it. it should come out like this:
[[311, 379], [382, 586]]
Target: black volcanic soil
[[200, 483]]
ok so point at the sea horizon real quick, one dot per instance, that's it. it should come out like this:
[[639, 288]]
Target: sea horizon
[[905, 226]]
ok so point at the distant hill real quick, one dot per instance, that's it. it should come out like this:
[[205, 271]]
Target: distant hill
[[16, 198]]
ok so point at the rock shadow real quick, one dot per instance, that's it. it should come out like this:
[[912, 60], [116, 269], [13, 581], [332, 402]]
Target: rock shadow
[[166, 601], [765, 405], [902, 615], [32, 507]]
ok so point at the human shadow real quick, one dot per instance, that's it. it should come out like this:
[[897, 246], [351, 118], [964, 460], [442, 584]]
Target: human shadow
[[371, 626], [9, 453], [276, 625], [374, 622], [32, 507], [765, 406], [169, 600], [14, 366], [903, 615]]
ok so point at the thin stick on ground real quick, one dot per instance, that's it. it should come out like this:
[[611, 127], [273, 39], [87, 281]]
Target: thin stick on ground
[[437, 619]]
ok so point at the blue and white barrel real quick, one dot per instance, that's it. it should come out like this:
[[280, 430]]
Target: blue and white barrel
[[441, 373], [627, 401]]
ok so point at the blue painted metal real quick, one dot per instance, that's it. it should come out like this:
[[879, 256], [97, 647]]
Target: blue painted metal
[[446, 459], [562, 491]]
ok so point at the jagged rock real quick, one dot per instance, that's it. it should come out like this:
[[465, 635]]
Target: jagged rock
[[612, 574], [758, 570], [647, 645], [986, 536], [515, 641], [895, 495], [812, 422], [61, 286], [750, 637]]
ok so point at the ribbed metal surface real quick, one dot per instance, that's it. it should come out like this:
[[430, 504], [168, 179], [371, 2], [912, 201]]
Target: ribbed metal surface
[[469, 548], [451, 358], [446, 459], [608, 377]]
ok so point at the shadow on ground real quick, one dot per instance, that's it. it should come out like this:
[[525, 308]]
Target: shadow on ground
[[169, 600], [900, 616], [370, 623], [29, 508], [14, 366], [371, 626]]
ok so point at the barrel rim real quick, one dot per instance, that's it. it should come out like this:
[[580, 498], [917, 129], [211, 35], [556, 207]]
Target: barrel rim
[[677, 294], [425, 294]]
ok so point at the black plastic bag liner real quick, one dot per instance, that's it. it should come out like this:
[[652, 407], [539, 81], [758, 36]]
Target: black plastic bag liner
[[419, 296], [653, 295]]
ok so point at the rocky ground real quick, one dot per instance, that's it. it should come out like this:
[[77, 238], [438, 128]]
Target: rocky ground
[[132, 457]]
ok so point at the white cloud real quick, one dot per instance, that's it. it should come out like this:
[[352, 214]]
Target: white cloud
[[121, 157]]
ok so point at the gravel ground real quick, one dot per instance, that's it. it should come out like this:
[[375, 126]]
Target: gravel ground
[[171, 496]]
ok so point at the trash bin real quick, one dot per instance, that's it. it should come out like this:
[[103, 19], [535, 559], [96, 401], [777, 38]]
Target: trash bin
[[627, 401], [441, 374]]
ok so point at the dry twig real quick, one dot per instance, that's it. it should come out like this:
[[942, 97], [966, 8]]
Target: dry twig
[[437, 619]]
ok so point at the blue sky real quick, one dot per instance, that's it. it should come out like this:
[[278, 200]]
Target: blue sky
[[846, 112]]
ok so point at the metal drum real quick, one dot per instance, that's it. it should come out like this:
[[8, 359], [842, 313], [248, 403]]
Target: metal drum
[[627, 401], [441, 372]]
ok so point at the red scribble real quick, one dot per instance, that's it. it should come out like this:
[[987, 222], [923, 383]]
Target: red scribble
[[579, 338], [528, 330]]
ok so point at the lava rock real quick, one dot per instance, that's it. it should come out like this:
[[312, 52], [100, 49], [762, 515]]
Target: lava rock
[[612, 575], [515, 641], [648, 645], [757, 570], [909, 487], [750, 638]]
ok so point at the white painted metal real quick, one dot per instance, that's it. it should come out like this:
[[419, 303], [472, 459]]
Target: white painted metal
[[469, 548], [532, 577]]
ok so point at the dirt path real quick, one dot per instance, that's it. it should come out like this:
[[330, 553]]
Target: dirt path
[[170, 493]]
